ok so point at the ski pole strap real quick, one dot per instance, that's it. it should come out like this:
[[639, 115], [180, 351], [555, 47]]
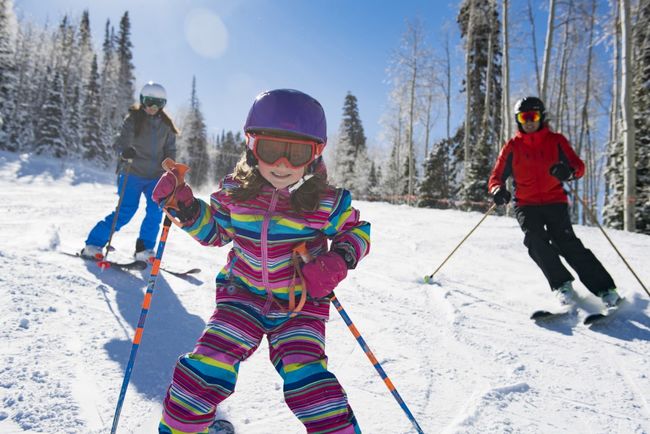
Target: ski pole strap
[[299, 253]]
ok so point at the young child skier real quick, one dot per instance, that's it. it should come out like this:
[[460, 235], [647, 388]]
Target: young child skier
[[539, 161], [276, 199]]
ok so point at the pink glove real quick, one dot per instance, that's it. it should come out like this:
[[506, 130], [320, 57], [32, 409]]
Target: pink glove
[[165, 187], [323, 274]]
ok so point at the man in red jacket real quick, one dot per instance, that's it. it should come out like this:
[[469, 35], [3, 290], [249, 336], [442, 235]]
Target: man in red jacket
[[539, 161]]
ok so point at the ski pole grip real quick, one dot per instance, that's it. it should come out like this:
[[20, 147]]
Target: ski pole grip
[[181, 169]]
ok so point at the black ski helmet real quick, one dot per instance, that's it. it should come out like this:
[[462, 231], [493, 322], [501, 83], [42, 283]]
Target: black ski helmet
[[527, 104]]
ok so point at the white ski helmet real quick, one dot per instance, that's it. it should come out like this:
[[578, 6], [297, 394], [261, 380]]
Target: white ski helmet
[[153, 92]]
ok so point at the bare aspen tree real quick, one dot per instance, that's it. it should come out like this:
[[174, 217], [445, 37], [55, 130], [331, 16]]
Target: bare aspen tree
[[507, 121], [616, 82], [446, 87], [409, 72], [547, 49], [589, 180], [468, 69], [533, 39], [488, 83], [629, 172]]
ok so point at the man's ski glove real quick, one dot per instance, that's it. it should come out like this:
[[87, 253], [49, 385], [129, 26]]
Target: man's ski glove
[[128, 154], [188, 206], [561, 171], [323, 274], [501, 196]]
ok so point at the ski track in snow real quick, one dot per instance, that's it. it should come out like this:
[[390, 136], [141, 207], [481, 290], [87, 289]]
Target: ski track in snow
[[462, 353]]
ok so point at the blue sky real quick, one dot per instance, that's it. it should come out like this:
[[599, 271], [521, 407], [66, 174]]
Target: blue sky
[[238, 48]]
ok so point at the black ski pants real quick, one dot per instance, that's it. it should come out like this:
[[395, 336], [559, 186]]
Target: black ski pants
[[549, 234]]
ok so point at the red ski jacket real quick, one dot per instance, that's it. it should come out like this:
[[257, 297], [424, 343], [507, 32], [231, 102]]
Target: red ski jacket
[[528, 159]]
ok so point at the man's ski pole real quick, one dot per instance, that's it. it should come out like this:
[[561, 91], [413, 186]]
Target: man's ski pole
[[429, 278], [595, 220], [104, 262], [306, 257], [146, 303]]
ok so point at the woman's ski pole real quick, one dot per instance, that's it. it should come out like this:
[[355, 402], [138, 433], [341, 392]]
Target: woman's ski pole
[[146, 304], [429, 278], [306, 257], [104, 263], [595, 220]]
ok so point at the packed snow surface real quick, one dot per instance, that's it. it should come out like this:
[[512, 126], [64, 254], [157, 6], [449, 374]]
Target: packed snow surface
[[462, 352]]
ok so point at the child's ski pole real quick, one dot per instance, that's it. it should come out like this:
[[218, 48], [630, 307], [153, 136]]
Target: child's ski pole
[[146, 303], [429, 278], [168, 165], [306, 257]]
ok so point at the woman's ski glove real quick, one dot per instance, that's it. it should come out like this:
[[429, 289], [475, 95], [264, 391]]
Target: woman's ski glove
[[561, 171], [323, 274], [128, 154], [501, 196], [188, 206]]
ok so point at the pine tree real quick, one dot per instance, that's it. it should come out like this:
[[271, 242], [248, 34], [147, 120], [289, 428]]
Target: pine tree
[[480, 26], [30, 74], [435, 189], [374, 182], [351, 161], [50, 132], [111, 118], [613, 209], [92, 145], [641, 107], [125, 76], [8, 77], [394, 182], [229, 150], [196, 139]]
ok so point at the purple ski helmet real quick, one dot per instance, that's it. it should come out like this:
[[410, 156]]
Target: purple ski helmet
[[287, 111]]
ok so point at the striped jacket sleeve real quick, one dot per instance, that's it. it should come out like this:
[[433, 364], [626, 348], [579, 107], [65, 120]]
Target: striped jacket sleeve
[[213, 226], [347, 232]]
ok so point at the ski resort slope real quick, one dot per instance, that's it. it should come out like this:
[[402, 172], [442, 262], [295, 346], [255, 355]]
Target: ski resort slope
[[463, 352]]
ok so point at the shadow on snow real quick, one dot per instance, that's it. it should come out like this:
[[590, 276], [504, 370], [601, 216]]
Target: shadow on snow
[[169, 329]]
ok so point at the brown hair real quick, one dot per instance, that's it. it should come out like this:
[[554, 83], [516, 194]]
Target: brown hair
[[138, 113], [306, 198]]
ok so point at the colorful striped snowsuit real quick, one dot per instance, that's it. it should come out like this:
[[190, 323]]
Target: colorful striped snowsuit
[[252, 293]]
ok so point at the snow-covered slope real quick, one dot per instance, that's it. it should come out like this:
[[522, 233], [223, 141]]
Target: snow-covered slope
[[463, 354]]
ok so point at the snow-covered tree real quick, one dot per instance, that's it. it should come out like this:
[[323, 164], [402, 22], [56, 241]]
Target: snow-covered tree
[[125, 75], [50, 132], [111, 117], [92, 145], [8, 77], [641, 109], [480, 26], [228, 153], [351, 167], [195, 141], [437, 186]]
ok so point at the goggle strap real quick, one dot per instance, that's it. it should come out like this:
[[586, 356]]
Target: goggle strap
[[300, 182]]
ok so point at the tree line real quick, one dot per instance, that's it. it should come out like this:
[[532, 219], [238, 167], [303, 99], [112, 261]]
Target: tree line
[[57, 96]]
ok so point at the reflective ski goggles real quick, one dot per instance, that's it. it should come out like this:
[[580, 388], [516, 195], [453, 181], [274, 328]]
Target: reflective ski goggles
[[531, 116], [295, 152], [150, 101]]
